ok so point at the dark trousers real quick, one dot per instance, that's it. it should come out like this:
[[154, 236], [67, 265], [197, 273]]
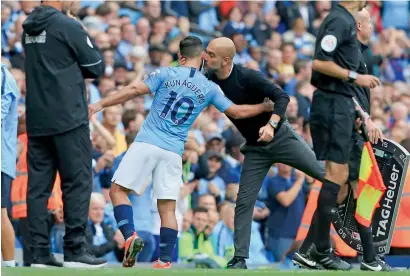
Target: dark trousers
[[70, 154], [287, 148], [25, 238]]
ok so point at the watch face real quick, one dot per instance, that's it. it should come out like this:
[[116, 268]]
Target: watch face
[[353, 75]]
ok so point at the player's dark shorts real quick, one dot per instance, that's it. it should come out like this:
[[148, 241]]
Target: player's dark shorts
[[355, 157], [332, 119], [5, 189]]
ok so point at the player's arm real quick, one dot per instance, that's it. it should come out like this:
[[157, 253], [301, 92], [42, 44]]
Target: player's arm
[[135, 89], [336, 32], [223, 104]]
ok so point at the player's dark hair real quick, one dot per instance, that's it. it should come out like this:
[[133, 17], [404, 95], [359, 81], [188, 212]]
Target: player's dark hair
[[190, 47], [199, 210]]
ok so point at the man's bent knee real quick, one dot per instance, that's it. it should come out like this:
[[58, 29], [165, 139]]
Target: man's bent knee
[[337, 173]]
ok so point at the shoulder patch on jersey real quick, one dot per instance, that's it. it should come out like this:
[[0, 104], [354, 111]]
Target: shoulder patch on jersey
[[153, 73], [89, 42], [328, 43]]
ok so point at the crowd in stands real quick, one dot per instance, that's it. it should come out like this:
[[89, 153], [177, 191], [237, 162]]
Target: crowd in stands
[[276, 38]]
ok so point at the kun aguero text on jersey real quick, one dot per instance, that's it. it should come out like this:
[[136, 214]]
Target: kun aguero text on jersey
[[189, 85]]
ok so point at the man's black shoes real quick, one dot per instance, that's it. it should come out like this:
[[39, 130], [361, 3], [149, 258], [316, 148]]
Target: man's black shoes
[[328, 260], [304, 261], [377, 265], [82, 259], [237, 263], [45, 261]]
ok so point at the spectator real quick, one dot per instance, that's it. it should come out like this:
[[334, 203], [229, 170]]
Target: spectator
[[196, 246], [101, 239], [286, 200], [112, 117], [303, 41]]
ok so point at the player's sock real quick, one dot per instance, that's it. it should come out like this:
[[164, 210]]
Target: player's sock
[[326, 210], [310, 237], [125, 220], [167, 241], [11, 263], [366, 237]]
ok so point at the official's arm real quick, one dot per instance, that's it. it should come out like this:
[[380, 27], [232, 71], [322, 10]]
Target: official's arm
[[88, 57], [223, 104]]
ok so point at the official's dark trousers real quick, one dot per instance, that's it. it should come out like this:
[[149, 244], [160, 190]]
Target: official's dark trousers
[[287, 147], [70, 154]]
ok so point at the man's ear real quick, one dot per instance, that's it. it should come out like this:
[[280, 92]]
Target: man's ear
[[181, 59], [359, 25]]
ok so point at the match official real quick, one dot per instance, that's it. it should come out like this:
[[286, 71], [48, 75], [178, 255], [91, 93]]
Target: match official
[[58, 56], [370, 262], [333, 115], [269, 137]]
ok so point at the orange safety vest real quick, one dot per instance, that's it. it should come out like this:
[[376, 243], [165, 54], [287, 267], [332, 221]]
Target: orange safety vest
[[401, 233], [19, 186], [342, 248]]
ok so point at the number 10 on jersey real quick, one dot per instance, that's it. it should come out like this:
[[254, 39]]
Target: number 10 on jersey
[[175, 108]]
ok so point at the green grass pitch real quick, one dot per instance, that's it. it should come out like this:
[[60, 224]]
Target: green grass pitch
[[178, 272]]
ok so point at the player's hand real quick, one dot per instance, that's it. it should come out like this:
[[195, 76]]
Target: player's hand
[[268, 105], [94, 108], [373, 131], [266, 133], [368, 81]]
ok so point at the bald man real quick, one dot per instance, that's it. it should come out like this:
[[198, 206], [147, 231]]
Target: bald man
[[244, 85], [371, 262]]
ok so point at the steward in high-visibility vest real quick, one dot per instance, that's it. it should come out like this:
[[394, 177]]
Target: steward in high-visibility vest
[[401, 233], [19, 186]]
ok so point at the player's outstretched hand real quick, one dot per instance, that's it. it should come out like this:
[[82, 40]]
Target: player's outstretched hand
[[94, 108], [368, 81], [268, 105], [266, 133], [375, 134]]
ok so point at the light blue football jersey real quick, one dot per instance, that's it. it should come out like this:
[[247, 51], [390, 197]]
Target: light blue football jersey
[[180, 94]]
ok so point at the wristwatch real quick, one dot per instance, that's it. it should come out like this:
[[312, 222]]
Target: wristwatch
[[352, 76], [273, 124]]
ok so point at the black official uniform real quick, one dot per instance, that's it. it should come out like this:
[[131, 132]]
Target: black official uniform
[[362, 95], [246, 86], [58, 56], [333, 112]]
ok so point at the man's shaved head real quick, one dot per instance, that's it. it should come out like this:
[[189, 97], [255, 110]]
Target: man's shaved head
[[363, 26], [219, 54], [223, 47], [362, 15]]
